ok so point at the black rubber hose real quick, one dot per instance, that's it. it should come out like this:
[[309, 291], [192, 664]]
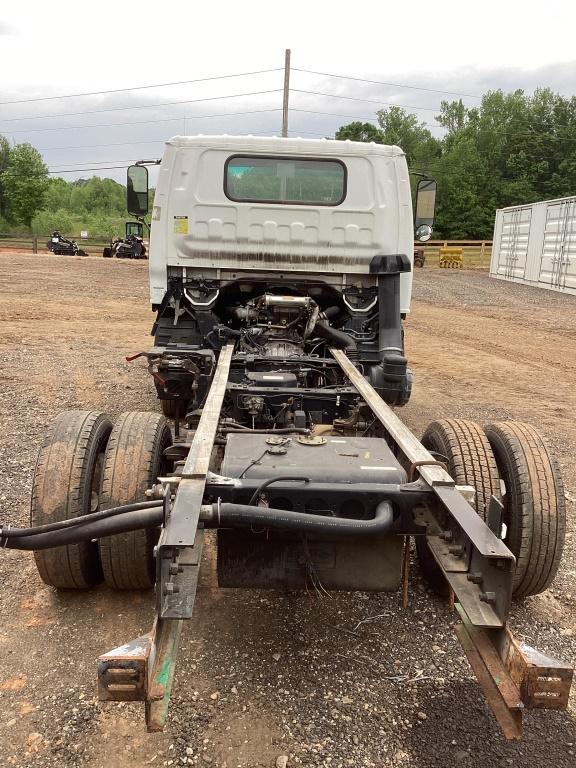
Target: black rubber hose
[[245, 516], [60, 525], [338, 338], [223, 515], [271, 481], [130, 521], [332, 312]]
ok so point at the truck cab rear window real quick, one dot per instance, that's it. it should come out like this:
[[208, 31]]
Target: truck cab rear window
[[285, 180]]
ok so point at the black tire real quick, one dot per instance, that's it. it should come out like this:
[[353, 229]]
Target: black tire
[[134, 460], [470, 461], [66, 484], [418, 263], [534, 504]]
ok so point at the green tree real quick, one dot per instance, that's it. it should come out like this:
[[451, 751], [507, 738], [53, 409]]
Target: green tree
[[57, 195], [24, 182], [512, 149], [402, 128], [360, 132], [466, 194], [453, 116]]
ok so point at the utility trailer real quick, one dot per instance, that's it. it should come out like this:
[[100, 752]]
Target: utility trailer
[[280, 273]]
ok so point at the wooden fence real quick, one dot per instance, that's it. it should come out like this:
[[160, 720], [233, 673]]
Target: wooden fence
[[476, 253], [37, 244]]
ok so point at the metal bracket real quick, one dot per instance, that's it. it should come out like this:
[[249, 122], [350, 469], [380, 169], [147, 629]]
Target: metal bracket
[[512, 675], [143, 670]]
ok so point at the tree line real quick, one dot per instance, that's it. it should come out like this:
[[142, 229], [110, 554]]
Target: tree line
[[33, 202], [512, 149]]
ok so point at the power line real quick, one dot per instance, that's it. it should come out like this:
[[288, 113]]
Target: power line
[[98, 146], [143, 106], [382, 82], [308, 133], [368, 101], [147, 122], [52, 166], [252, 133], [140, 87], [335, 114], [78, 170], [133, 143]]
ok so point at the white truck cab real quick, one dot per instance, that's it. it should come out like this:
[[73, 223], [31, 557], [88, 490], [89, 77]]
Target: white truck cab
[[298, 205], [236, 218]]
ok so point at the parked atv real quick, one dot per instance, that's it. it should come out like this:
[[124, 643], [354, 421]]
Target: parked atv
[[61, 246], [129, 247]]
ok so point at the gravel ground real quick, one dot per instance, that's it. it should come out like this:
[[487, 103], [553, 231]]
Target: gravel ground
[[346, 680]]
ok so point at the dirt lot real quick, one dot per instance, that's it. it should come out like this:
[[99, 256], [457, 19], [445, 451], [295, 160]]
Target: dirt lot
[[261, 674]]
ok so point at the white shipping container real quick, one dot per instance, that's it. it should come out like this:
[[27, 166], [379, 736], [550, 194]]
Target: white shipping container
[[536, 244]]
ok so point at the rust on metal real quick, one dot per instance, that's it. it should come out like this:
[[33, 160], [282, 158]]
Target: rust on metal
[[123, 672], [544, 682], [414, 467], [405, 571], [143, 670], [165, 650], [513, 675]]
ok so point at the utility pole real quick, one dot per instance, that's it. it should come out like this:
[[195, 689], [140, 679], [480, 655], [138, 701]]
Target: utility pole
[[286, 92]]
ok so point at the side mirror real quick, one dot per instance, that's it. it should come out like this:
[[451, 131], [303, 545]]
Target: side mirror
[[134, 228], [137, 190], [425, 205]]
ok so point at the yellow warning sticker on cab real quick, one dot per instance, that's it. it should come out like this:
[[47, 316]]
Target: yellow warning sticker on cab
[[180, 225]]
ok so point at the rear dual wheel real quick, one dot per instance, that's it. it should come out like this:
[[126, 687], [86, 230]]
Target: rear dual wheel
[[534, 506], [84, 465], [470, 461], [66, 485], [133, 462]]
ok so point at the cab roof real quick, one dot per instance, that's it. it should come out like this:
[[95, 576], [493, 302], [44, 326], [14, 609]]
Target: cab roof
[[292, 146]]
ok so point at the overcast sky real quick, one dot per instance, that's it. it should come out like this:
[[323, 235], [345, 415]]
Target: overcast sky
[[60, 47]]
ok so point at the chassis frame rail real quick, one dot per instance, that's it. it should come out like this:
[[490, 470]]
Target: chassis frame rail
[[478, 566]]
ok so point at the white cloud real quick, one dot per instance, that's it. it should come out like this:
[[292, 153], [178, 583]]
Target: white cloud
[[447, 46]]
